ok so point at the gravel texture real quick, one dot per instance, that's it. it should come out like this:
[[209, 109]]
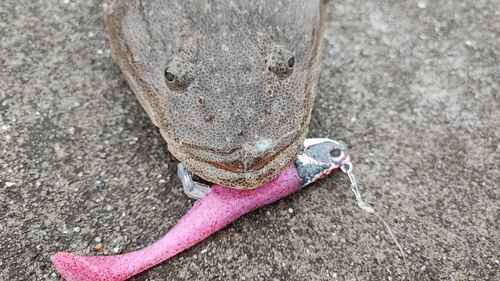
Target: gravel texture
[[412, 87]]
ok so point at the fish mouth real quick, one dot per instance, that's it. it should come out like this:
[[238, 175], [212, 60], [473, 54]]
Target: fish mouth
[[257, 162], [246, 157], [244, 167]]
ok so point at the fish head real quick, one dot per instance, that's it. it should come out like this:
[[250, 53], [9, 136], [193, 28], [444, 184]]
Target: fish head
[[230, 84]]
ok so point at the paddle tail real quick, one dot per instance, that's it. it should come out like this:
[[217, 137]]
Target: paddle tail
[[219, 207]]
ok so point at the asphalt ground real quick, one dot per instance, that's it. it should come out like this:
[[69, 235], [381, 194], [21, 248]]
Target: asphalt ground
[[411, 87]]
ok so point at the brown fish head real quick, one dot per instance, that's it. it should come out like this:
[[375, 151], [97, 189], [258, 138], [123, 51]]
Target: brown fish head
[[230, 85]]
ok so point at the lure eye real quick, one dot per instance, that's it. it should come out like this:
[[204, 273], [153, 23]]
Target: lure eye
[[169, 76], [336, 155], [291, 62]]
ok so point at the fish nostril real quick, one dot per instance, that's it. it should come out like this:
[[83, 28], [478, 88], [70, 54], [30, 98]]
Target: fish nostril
[[269, 93], [201, 102], [239, 126]]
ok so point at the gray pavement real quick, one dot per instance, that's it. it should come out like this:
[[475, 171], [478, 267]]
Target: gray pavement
[[412, 87]]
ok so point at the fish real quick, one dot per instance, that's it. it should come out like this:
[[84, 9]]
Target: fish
[[229, 84], [219, 207]]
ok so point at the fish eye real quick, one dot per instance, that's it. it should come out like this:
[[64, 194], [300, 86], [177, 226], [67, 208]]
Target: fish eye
[[169, 76], [279, 61], [336, 155], [291, 62], [178, 74]]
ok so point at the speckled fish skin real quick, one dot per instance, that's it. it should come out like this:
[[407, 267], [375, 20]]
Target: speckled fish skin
[[236, 113], [219, 207]]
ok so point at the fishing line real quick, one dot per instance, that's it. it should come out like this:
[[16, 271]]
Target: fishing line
[[348, 169]]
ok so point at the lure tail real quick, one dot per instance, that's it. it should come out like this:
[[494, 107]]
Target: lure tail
[[218, 208]]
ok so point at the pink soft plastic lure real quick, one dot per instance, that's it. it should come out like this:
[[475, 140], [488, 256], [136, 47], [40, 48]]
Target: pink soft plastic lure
[[219, 207]]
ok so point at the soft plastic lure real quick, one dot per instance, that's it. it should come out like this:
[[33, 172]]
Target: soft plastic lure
[[218, 207]]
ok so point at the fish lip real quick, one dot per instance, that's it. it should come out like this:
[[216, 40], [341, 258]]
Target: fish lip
[[257, 166], [248, 179], [208, 155]]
